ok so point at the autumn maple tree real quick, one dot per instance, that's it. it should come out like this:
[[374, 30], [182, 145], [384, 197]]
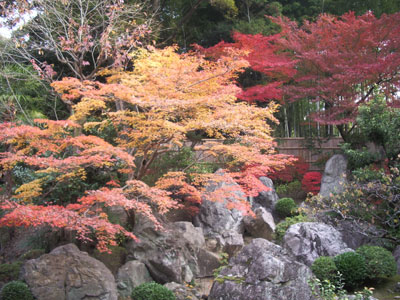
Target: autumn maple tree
[[265, 56], [342, 62], [119, 127]]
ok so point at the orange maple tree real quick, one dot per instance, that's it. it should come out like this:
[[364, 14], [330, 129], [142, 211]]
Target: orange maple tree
[[120, 127]]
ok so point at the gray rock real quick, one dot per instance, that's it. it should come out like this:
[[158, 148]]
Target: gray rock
[[230, 242], [214, 218], [193, 235], [266, 199], [334, 176], [183, 292], [207, 262], [309, 240], [174, 254], [69, 274], [396, 254], [353, 297], [356, 233], [262, 271], [130, 275], [262, 226]]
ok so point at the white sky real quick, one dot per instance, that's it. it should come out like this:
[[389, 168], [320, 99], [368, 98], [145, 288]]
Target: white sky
[[6, 33]]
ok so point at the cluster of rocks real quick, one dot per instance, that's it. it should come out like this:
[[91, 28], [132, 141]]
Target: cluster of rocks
[[184, 252]]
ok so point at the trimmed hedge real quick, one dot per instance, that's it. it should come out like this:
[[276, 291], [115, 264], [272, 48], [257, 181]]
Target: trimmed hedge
[[15, 290], [379, 262], [324, 268], [285, 207], [152, 291], [352, 266]]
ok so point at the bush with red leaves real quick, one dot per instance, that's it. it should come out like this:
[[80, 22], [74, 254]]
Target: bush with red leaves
[[311, 182], [290, 172]]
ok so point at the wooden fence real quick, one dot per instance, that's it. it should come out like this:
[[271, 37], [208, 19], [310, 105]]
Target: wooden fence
[[312, 151]]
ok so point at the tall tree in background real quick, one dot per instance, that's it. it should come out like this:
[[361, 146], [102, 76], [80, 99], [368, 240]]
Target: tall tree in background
[[78, 36], [342, 61]]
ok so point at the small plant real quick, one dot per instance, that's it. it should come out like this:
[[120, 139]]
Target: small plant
[[326, 290], [380, 263], [324, 268], [224, 260], [152, 291], [16, 290], [283, 226], [9, 272], [352, 266], [285, 207]]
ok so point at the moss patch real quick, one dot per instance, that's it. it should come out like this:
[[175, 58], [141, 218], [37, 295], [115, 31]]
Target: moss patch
[[385, 288], [113, 260]]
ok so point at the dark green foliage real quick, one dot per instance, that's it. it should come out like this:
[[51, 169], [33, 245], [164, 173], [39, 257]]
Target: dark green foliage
[[152, 291], [324, 268], [282, 227], [352, 267], [380, 263], [293, 187], [184, 159], [9, 272], [358, 158], [285, 207], [16, 290], [24, 97], [113, 260]]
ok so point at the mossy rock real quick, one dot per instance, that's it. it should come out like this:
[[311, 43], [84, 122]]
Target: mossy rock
[[32, 254], [113, 260]]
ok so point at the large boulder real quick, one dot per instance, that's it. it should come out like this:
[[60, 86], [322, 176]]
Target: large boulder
[[260, 226], [266, 199], [173, 254], [131, 275], [309, 240], [69, 274], [214, 217], [262, 271], [334, 176], [357, 233]]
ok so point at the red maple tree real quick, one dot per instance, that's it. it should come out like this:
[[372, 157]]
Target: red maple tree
[[264, 55], [342, 62]]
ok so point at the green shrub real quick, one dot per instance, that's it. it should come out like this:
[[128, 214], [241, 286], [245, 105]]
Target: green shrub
[[283, 226], [294, 186], [16, 290], [289, 188], [352, 266], [285, 207], [152, 291], [324, 268], [9, 272], [379, 262], [282, 189]]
